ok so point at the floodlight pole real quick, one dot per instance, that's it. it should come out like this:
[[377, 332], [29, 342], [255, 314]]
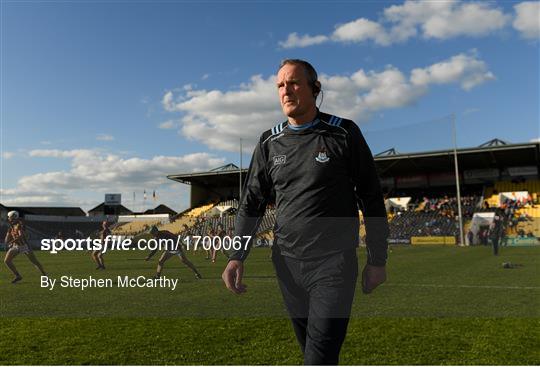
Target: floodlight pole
[[460, 217], [240, 172]]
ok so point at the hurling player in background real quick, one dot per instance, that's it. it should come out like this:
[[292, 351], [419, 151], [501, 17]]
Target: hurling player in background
[[97, 255], [17, 244], [170, 252]]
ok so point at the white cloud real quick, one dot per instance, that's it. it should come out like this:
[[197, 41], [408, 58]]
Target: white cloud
[[527, 19], [444, 19], [169, 124], [37, 197], [173, 194], [167, 101], [429, 19], [7, 155], [361, 30], [220, 118], [293, 40], [466, 68], [105, 137], [56, 153], [95, 171], [535, 140]]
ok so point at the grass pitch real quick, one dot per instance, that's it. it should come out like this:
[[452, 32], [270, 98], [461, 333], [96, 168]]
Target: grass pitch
[[440, 305]]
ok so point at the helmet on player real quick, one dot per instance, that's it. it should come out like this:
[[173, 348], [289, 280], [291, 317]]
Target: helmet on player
[[13, 215]]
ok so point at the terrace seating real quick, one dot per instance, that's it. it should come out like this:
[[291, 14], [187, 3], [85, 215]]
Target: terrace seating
[[134, 228]]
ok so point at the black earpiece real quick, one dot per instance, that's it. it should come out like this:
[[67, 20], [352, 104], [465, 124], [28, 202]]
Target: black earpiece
[[316, 88]]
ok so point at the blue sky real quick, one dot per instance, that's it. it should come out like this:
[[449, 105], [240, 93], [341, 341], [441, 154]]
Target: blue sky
[[112, 96]]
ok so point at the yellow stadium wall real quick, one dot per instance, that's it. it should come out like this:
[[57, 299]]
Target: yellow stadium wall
[[433, 240]]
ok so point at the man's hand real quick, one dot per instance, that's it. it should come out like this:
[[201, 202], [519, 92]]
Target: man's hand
[[372, 277], [232, 276]]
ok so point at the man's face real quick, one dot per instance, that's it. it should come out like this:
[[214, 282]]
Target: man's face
[[295, 94]]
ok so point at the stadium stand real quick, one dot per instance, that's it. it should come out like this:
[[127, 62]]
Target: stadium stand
[[187, 217], [497, 179], [532, 186], [430, 217], [199, 211], [528, 222], [56, 229], [133, 228]]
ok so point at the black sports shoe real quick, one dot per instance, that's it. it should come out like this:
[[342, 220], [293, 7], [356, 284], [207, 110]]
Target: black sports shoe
[[16, 279]]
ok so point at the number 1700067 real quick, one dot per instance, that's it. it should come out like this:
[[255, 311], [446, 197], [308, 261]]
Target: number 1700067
[[216, 242]]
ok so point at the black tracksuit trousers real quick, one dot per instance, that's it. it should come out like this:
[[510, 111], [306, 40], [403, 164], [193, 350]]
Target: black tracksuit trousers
[[318, 295], [495, 244]]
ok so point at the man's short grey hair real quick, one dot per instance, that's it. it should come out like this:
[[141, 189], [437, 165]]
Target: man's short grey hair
[[310, 70]]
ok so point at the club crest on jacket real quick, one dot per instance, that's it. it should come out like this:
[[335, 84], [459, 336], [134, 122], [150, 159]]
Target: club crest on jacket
[[322, 157]]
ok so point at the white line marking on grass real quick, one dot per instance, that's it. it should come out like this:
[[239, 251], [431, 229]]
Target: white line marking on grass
[[272, 279], [458, 286]]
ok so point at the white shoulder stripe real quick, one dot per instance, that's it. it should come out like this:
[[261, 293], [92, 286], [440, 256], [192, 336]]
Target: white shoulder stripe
[[335, 121], [277, 130]]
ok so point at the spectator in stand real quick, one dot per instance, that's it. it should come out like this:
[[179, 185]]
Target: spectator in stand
[[515, 222], [470, 237], [529, 200], [485, 237], [524, 217]]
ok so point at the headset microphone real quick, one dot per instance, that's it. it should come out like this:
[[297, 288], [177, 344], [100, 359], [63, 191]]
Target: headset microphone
[[322, 98]]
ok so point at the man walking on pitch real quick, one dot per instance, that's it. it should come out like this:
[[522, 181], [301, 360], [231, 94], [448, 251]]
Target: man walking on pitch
[[496, 230], [321, 172]]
